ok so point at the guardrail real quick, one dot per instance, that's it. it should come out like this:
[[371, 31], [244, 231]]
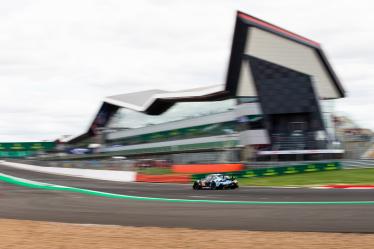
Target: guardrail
[[119, 165], [130, 176], [206, 168], [357, 164], [277, 171], [108, 175]]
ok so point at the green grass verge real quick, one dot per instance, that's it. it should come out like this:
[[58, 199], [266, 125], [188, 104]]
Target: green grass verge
[[155, 171], [347, 176]]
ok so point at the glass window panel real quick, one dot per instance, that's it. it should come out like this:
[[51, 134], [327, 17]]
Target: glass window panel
[[126, 118]]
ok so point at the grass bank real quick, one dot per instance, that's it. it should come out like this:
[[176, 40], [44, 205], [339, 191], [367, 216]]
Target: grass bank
[[347, 176], [155, 171]]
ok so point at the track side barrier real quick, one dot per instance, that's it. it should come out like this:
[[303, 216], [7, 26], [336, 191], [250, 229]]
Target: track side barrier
[[164, 178], [277, 171], [206, 168], [106, 175]]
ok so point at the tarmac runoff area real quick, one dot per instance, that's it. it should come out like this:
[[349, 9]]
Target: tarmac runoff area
[[256, 209]]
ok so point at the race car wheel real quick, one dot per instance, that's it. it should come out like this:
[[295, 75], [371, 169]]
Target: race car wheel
[[196, 186], [213, 186], [235, 186]]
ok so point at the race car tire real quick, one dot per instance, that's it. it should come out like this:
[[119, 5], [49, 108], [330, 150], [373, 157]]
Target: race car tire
[[213, 186], [196, 186], [234, 186]]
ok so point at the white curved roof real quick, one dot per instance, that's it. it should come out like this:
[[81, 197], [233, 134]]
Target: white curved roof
[[141, 101]]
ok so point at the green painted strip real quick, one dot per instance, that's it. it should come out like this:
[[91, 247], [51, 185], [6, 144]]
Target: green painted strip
[[46, 186]]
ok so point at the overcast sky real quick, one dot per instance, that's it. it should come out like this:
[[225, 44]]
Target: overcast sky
[[59, 59]]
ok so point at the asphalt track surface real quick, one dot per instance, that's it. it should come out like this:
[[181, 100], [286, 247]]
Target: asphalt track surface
[[35, 204]]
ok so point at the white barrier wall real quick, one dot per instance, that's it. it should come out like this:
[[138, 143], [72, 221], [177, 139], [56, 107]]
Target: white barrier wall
[[106, 175]]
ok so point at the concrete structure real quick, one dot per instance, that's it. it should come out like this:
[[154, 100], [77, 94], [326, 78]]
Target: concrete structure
[[272, 104]]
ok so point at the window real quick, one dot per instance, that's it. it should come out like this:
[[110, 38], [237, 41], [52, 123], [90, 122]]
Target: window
[[126, 118]]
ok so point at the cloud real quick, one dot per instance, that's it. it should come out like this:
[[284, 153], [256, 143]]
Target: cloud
[[59, 59]]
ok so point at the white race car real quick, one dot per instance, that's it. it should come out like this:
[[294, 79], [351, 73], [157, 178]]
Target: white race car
[[216, 181]]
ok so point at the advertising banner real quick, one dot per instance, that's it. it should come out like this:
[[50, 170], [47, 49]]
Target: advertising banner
[[24, 149], [282, 170], [27, 146]]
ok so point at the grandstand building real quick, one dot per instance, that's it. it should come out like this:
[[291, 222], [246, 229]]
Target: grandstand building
[[276, 101]]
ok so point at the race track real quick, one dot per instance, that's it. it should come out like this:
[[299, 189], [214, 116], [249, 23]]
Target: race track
[[35, 204]]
